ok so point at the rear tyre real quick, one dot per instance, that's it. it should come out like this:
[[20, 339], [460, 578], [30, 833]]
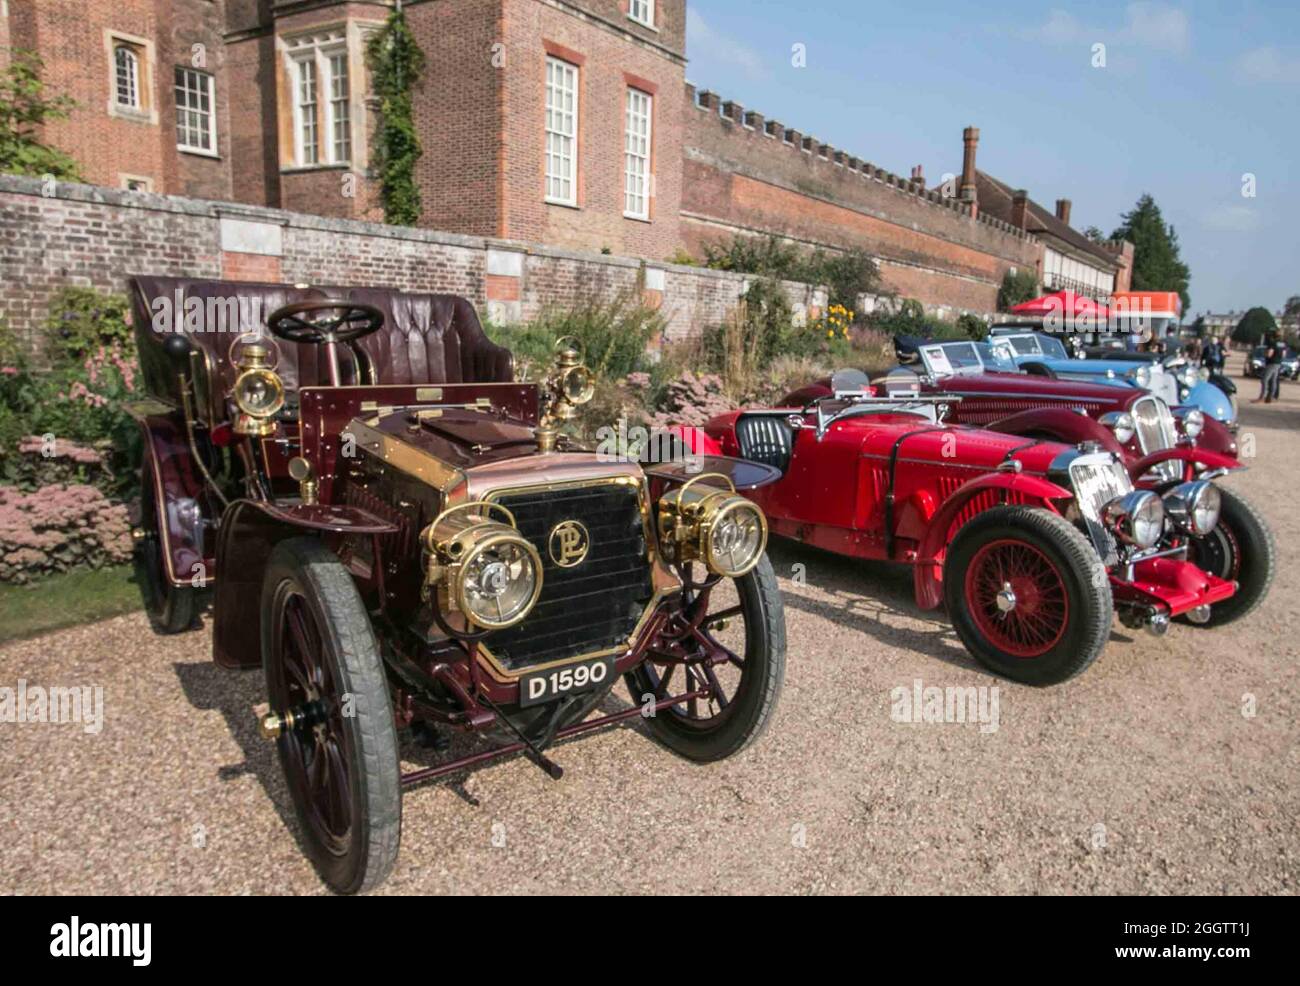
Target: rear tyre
[[1240, 547], [170, 608], [322, 663], [737, 652], [1027, 594]]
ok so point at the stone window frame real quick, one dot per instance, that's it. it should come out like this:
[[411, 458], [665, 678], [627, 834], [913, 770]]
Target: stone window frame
[[317, 44], [143, 51], [212, 150]]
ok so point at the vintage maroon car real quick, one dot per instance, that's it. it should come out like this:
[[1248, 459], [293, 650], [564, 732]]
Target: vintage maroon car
[[400, 536], [1031, 543], [1133, 423]]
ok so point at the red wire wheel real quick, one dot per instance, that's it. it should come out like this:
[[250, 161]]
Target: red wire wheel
[[1027, 593], [1017, 598]]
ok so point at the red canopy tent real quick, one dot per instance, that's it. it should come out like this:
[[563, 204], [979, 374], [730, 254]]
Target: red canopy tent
[[1063, 304]]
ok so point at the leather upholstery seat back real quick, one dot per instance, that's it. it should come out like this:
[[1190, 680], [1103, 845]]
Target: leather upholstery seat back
[[765, 438], [426, 338]]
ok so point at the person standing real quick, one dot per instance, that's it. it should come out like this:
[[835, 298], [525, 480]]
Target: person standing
[[1214, 356], [1268, 378]]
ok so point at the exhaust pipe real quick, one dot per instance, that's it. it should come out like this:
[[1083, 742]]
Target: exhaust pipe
[[1199, 615]]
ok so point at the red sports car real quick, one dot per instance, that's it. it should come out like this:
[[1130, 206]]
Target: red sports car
[[1133, 423], [1032, 544]]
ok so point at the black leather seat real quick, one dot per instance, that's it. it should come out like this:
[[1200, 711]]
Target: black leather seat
[[765, 438]]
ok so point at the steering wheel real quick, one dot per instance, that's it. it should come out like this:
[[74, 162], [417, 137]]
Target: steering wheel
[[339, 321]]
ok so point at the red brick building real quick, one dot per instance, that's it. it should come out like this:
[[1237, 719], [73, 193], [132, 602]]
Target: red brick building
[[563, 122]]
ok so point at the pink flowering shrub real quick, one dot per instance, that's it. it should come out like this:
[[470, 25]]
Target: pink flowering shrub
[[80, 400], [59, 528], [45, 460]]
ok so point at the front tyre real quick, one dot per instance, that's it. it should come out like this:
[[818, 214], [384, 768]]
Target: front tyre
[[734, 652], [1240, 547], [322, 665], [1027, 594]]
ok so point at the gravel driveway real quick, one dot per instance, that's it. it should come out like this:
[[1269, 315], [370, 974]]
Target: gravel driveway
[[1170, 766]]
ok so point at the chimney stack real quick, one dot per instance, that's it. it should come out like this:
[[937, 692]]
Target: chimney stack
[[1063, 210], [918, 177], [970, 139], [1020, 209]]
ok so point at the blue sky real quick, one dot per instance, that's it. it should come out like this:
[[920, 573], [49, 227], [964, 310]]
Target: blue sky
[[1192, 97]]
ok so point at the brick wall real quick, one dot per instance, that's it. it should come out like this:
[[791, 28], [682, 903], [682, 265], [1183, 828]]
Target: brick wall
[[744, 174], [610, 59], [96, 237]]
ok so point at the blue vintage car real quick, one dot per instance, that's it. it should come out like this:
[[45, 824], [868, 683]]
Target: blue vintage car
[[1179, 385]]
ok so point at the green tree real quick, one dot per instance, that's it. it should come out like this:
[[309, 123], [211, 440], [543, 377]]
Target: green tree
[[1017, 287], [396, 63], [1095, 234], [1292, 306], [1157, 265], [24, 107], [1254, 325]]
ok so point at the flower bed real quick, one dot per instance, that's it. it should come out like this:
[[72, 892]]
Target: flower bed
[[59, 528]]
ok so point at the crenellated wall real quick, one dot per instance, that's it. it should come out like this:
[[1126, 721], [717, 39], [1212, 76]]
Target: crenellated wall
[[744, 173]]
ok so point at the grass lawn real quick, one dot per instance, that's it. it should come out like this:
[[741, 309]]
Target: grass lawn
[[66, 600]]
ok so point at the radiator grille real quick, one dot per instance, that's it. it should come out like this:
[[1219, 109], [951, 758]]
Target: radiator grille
[[1155, 431], [595, 605]]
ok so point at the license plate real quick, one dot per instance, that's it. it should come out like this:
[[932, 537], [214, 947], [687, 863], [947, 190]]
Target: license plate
[[543, 686]]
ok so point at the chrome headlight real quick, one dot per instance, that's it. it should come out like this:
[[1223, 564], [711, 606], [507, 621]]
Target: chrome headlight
[[1136, 518], [1188, 376], [1141, 376], [713, 525], [1204, 374], [1193, 422], [1194, 506], [1121, 423], [486, 568]]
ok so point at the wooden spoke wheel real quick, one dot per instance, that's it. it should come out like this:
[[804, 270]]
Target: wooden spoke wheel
[[726, 648], [331, 709]]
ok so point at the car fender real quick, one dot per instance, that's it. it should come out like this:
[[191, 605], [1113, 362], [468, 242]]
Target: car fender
[[178, 494], [927, 572], [1215, 437], [1211, 400], [250, 530], [1062, 424], [1199, 456], [698, 440]]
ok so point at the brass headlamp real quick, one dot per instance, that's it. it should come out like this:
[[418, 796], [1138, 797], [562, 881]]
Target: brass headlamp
[[258, 391], [482, 567], [712, 525], [569, 386]]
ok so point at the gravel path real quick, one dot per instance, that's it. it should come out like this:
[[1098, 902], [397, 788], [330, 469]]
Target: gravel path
[[1142, 776]]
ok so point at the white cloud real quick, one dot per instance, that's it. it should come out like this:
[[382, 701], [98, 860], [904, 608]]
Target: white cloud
[[1157, 26], [1231, 219], [701, 38], [1270, 64]]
